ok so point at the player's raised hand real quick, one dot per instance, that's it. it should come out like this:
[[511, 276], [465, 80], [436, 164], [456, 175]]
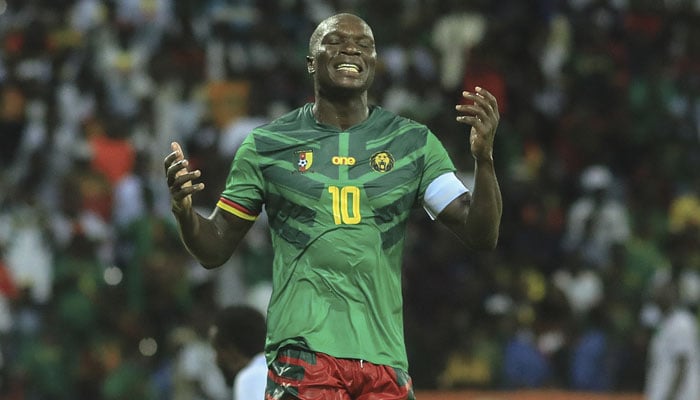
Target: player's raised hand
[[482, 114], [180, 179]]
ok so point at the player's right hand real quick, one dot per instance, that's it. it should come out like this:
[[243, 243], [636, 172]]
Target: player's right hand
[[180, 179]]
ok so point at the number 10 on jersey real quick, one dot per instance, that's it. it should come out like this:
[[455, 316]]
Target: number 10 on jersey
[[346, 204]]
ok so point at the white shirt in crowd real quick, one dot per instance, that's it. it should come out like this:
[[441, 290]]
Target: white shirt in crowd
[[677, 336], [251, 380]]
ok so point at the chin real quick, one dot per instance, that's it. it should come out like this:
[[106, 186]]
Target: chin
[[338, 93], [348, 88]]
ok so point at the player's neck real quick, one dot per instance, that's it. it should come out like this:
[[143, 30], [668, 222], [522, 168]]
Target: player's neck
[[343, 113]]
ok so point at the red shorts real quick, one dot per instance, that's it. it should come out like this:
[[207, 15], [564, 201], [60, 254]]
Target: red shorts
[[305, 375]]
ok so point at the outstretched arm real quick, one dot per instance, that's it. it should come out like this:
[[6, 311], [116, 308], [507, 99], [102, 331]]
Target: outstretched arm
[[475, 217], [210, 240]]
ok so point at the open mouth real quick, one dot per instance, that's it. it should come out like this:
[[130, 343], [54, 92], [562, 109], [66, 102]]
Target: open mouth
[[349, 67]]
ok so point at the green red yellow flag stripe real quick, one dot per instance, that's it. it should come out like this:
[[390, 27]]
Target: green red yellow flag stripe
[[236, 209]]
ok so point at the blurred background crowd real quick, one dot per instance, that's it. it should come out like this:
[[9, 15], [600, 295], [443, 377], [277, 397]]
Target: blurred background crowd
[[598, 155]]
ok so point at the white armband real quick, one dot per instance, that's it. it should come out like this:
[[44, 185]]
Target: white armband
[[440, 192]]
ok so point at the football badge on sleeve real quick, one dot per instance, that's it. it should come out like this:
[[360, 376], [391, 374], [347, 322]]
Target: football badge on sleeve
[[306, 158]]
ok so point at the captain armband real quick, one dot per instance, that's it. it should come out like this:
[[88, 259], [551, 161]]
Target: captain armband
[[440, 192]]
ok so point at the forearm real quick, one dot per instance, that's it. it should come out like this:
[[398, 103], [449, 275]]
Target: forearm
[[484, 217], [203, 238]]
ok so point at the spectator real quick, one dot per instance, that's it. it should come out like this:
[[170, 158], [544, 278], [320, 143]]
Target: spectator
[[238, 336], [596, 220], [592, 365], [581, 284], [524, 366], [674, 355]]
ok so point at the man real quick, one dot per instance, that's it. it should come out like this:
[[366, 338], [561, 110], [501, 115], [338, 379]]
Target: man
[[338, 179], [674, 351], [238, 337], [597, 221]]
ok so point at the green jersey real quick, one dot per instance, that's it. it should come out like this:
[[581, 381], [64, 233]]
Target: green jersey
[[337, 204]]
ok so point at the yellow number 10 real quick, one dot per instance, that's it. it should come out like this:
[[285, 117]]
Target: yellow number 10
[[345, 200]]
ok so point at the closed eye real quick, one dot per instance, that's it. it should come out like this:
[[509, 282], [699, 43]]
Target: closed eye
[[332, 39], [368, 44]]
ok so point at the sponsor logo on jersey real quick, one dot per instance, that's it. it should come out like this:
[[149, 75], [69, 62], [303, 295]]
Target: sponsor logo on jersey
[[382, 161], [306, 158], [342, 160]]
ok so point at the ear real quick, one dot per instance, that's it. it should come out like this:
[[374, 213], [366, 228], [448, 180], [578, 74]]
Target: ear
[[310, 64]]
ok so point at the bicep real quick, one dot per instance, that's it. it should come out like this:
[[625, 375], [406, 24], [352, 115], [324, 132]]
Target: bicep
[[441, 192], [455, 214], [231, 228]]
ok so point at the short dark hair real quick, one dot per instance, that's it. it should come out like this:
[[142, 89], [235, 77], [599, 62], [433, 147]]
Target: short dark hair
[[243, 327]]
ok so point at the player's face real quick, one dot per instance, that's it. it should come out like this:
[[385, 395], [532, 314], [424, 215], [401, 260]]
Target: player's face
[[344, 57]]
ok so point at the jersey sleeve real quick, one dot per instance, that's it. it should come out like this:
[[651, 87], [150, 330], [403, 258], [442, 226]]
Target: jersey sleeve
[[437, 163], [243, 194]]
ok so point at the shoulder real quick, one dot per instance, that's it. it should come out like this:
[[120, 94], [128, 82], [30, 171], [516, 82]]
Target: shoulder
[[380, 114], [268, 135], [288, 121], [388, 127]]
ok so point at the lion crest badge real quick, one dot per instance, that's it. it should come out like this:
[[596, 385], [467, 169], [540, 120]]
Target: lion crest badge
[[382, 161]]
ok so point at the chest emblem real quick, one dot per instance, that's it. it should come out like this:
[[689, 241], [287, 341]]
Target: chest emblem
[[306, 158], [382, 161]]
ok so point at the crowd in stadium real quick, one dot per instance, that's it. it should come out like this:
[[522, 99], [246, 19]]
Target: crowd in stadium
[[597, 154]]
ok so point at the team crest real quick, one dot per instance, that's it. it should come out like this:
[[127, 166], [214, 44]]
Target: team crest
[[306, 158], [382, 161]]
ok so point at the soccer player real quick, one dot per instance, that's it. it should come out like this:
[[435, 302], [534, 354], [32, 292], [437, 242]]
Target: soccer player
[[338, 178]]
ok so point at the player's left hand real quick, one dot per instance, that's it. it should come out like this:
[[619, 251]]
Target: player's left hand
[[482, 115]]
